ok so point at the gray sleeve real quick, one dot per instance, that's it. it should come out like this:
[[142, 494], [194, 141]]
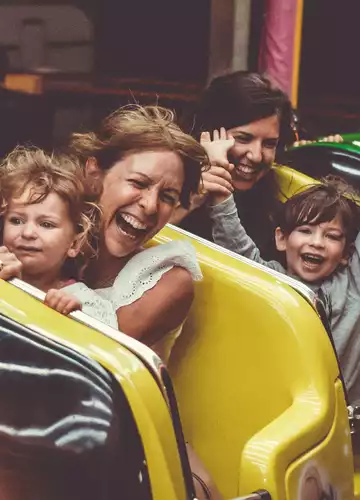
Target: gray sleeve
[[354, 263], [229, 233]]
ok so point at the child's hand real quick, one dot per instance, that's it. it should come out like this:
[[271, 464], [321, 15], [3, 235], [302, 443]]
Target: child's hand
[[62, 301], [218, 148], [10, 266], [217, 184]]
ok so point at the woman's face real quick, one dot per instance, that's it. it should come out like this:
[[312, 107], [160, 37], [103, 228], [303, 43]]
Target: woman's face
[[139, 195], [254, 151]]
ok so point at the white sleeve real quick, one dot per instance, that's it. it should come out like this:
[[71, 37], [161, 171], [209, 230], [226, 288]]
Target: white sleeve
[[93, 304], [146, 268]]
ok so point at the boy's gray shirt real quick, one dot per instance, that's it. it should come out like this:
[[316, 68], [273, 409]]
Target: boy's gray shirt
[[342, 289]]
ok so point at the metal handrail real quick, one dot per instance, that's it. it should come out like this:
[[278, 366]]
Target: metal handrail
[[257, 495]]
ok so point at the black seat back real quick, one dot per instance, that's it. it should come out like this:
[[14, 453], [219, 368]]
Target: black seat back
[[66, 429]]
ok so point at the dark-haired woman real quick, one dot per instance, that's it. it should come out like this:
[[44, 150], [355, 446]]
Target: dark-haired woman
[[258, 116]]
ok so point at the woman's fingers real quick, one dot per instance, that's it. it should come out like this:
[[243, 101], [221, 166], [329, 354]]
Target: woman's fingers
[[219, 172], [216, 135], [213, 184], [332, 138], [338, 138], [205, 137], [223, 135], [217, 180], [218, 147]]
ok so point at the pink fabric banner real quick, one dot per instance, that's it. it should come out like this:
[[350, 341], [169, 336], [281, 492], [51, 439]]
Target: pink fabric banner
[[277, 42]]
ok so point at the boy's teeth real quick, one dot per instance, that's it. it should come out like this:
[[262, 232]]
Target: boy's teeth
[[133, 222], [314, 259]]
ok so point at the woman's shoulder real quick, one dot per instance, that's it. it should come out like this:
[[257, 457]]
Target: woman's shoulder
[[146, 268], [179, 253]]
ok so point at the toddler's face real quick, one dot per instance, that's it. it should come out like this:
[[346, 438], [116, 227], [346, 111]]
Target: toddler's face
[[41, 235]]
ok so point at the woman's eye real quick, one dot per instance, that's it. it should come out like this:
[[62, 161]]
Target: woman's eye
[[139, 184], [170, 199], [242, 139], [270, 144], [47, 225]]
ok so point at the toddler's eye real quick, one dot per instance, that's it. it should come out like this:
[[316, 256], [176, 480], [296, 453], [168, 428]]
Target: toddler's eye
[[16, 221], [47, 225]]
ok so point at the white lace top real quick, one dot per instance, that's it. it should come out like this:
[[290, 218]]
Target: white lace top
[[139, 275]]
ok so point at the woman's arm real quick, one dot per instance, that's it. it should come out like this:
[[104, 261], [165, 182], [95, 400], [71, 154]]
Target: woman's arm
[[160, 309]]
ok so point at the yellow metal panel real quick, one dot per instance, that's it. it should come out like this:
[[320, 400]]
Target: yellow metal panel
[[291, 181], [357, 477], [146, 401], [330, 462], [254, 373]]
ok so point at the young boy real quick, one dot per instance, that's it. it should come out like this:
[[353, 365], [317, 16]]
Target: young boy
[[318, 232]]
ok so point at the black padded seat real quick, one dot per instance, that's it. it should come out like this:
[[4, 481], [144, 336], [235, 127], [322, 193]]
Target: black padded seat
[[66, 429]]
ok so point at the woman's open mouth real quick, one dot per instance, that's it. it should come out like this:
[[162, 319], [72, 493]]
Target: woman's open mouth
[[130, 226], [245, 171]]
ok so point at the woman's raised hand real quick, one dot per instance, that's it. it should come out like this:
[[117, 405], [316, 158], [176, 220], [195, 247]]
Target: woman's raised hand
[[216, 184], [217, 181], [10, 266], [217, 148]]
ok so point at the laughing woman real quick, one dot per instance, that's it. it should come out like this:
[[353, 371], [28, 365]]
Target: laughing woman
[[140, 165], [258, 116]]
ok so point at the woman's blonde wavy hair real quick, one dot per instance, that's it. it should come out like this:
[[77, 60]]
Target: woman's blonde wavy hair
[[134, 129], [44, 174]]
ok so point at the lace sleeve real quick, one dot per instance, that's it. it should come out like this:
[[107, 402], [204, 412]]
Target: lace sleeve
[[146, 268], [93, 304]]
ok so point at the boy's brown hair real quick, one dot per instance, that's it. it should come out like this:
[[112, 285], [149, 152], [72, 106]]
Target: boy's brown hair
[[44, 174], [319, 203]]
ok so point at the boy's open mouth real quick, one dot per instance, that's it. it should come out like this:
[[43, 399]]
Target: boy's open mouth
[[130, 225], [312, 259]]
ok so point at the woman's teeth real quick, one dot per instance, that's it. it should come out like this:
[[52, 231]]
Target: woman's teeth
[[133, 222], [246, 169], [130, 226]]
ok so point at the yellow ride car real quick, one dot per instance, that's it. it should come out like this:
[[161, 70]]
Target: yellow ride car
[[253, 383]]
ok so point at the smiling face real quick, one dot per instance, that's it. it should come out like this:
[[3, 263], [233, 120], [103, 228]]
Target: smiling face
[[41, 235], [254, 151], [139, 195], [313, 252]]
